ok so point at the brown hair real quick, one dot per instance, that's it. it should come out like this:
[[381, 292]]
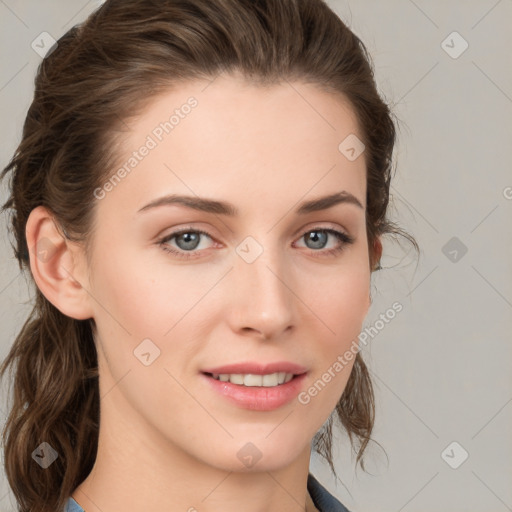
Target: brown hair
[[102, 72]]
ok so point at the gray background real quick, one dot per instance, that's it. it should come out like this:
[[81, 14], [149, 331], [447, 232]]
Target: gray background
[[441, 367]]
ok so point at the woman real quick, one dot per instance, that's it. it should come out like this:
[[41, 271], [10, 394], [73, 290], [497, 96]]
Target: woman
[[200, 195]]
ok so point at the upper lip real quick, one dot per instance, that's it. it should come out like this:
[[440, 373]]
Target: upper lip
[[257, 368]]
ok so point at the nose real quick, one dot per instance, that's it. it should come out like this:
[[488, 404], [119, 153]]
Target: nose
[[263, 303]]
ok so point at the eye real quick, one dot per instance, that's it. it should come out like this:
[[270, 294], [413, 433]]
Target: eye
[[318, 237], [188, 240]]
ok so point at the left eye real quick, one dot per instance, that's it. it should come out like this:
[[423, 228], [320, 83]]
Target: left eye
[[188, 240], [319, 236]]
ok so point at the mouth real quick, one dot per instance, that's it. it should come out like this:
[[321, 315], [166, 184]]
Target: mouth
[[258, 388]]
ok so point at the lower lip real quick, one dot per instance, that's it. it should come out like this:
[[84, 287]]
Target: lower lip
[[258, 398]]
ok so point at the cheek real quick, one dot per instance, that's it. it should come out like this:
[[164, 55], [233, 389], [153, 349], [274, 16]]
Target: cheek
[[142, 297], [341, 305], [341, 300], [137, 301]]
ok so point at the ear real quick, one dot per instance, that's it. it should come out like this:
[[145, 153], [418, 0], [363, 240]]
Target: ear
[[377, 254], [57, 265], [375, 262]]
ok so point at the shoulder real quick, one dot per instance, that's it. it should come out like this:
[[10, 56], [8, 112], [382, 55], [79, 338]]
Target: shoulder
[[322, 498], [73, 506]]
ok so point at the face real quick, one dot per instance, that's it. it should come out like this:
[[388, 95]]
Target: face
[[256, 289]]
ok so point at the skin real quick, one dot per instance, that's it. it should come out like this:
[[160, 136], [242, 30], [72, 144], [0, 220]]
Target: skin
[[165, 436]]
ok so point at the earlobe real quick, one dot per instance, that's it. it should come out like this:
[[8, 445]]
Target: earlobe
[[54, 265]]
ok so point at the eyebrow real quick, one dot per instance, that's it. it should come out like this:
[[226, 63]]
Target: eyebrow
[[224, 208]]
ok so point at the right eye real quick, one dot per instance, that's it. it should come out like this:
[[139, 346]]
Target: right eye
[[189, 239]]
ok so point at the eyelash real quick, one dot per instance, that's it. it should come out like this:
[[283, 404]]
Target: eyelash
[[342, 237]]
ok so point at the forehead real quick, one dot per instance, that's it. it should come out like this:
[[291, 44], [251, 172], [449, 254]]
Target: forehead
[[256, 144]]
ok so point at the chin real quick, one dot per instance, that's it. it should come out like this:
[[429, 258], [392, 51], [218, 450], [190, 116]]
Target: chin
[[259, 454]]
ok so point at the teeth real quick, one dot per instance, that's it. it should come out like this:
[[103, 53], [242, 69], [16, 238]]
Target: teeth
[[251, 380], [269, 380], [236, 378]]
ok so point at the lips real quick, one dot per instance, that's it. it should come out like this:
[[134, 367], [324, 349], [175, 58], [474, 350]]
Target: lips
[[257, 368], [256, 386]]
